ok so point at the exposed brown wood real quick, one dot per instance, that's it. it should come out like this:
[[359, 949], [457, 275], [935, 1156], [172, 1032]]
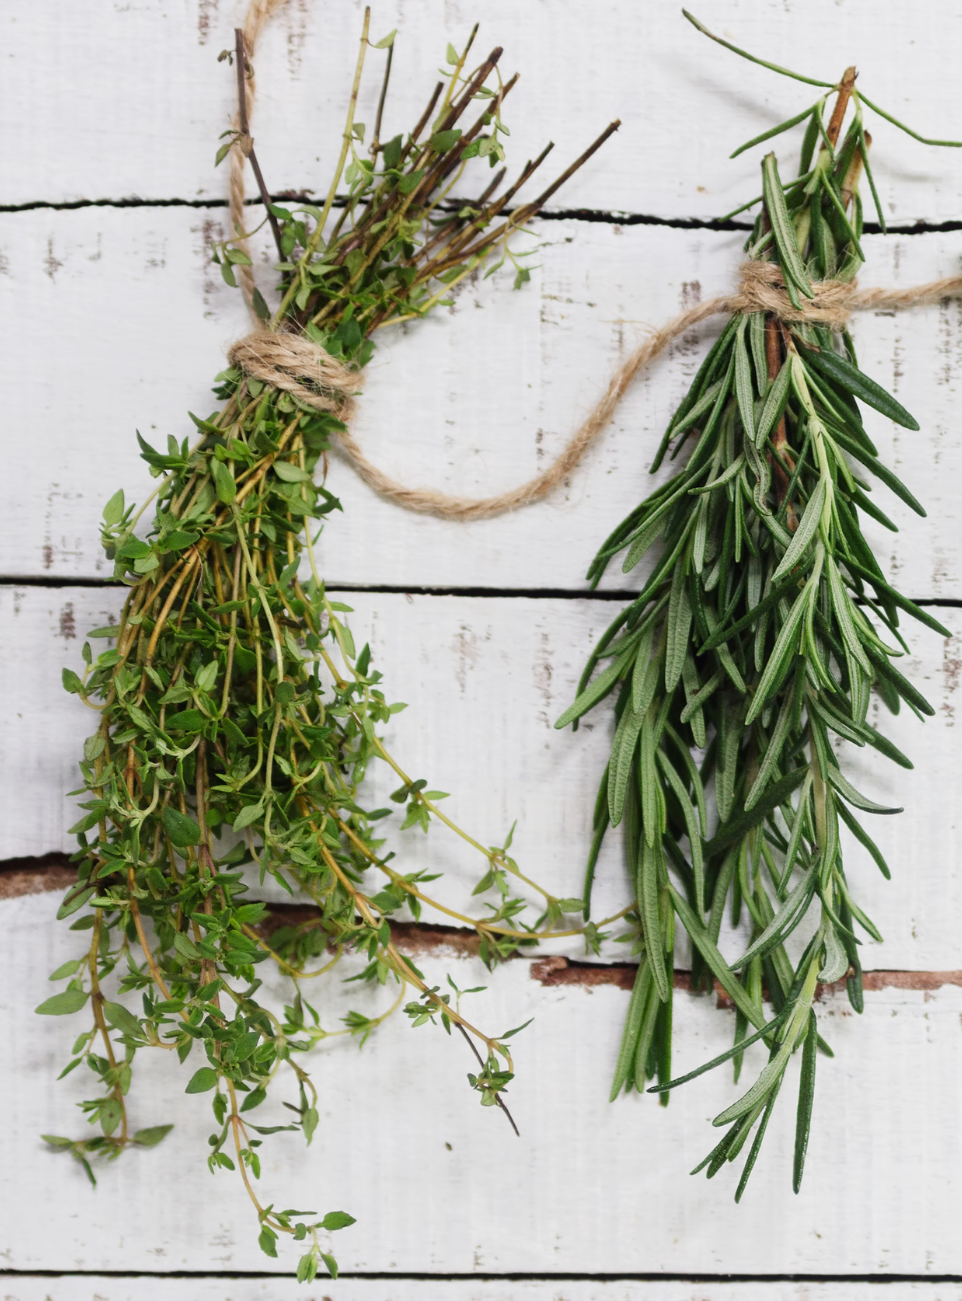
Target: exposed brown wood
[[50, 872], [564, 971], [20, 876], [54, 871], [412, 938]]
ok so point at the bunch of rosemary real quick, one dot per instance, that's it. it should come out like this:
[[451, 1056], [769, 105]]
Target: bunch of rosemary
[[237, 720], [763, 627]]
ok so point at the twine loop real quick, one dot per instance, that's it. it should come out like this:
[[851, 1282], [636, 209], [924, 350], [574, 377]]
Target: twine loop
[[762, 289], [299, 366], [296, 364]]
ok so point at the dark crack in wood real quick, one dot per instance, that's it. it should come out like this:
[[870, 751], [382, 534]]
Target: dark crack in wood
[[565, 971], [54, 871]]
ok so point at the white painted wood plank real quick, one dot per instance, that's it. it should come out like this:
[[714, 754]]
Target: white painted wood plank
[[588, 1188], [107, 100], [484, 680], [105, 1288], [475, 400]]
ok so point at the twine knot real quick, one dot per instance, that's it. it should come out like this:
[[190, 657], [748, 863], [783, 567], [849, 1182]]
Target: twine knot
[[762, 289], [297, 365]]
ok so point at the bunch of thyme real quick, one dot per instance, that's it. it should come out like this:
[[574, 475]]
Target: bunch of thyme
[[236, 718], [764, 626]]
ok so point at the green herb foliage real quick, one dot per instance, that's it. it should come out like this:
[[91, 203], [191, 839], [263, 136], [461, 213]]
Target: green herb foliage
[[237, 719], [763, 627]]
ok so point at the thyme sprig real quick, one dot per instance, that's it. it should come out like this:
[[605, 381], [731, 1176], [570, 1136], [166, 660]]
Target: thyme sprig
[[760, 634], [237, 720]]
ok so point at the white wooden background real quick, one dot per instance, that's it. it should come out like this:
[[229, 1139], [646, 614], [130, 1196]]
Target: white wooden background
[[111, 320]]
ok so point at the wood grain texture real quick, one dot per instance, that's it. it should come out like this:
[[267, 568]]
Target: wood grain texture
[[36, 874], [484, 679], [106, 1288], [113, 319], [128, 99], [144, 321], [588, 1188]]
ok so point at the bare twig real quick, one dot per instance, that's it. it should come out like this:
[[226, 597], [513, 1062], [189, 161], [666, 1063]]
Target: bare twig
[[246, 143], [376, 138], [497, 1096], [845, 88]]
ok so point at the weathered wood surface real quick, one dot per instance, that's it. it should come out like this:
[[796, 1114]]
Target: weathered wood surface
[[588, 1188], [112, 319], [484, 679], [144, 319], [132, 100], [141, 1288], [144, 1288]]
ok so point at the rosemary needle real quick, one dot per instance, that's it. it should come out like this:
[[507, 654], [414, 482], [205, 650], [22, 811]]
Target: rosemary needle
[[763, 630]]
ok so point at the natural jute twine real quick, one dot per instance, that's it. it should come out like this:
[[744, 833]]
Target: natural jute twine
[[297, 365], [258, 13]]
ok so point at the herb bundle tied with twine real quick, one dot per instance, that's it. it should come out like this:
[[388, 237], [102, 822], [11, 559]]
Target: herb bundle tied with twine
[[237, 720], [760, 634]]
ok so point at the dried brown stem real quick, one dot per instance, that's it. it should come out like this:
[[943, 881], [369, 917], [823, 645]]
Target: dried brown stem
[[422, 121], [367, 216], [446, 163], [433, 176], [459, 236], [376, 137], [443, 166], [845, 88], [458, 226], [773, 358], [497, 1097], [529, 170], [580, 161], [451, 159], [471, 89], [852, 176], [522, 215], [247, 144]]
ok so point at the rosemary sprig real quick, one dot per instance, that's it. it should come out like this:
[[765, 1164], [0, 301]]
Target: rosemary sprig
[[764, 626], [238, 720]]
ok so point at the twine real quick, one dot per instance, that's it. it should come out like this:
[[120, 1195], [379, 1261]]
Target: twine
[[293, 363], [297, 365], [256, 18]]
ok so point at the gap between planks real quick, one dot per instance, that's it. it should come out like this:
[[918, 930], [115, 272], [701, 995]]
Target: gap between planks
[[51, 872], [513, 1277], [395, 589], [597, 215]]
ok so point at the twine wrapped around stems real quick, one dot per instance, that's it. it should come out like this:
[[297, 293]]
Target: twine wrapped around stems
[[296, 364]]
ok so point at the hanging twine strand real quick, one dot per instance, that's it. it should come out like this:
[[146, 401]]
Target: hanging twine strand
[[258, 14], [297, 365]]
